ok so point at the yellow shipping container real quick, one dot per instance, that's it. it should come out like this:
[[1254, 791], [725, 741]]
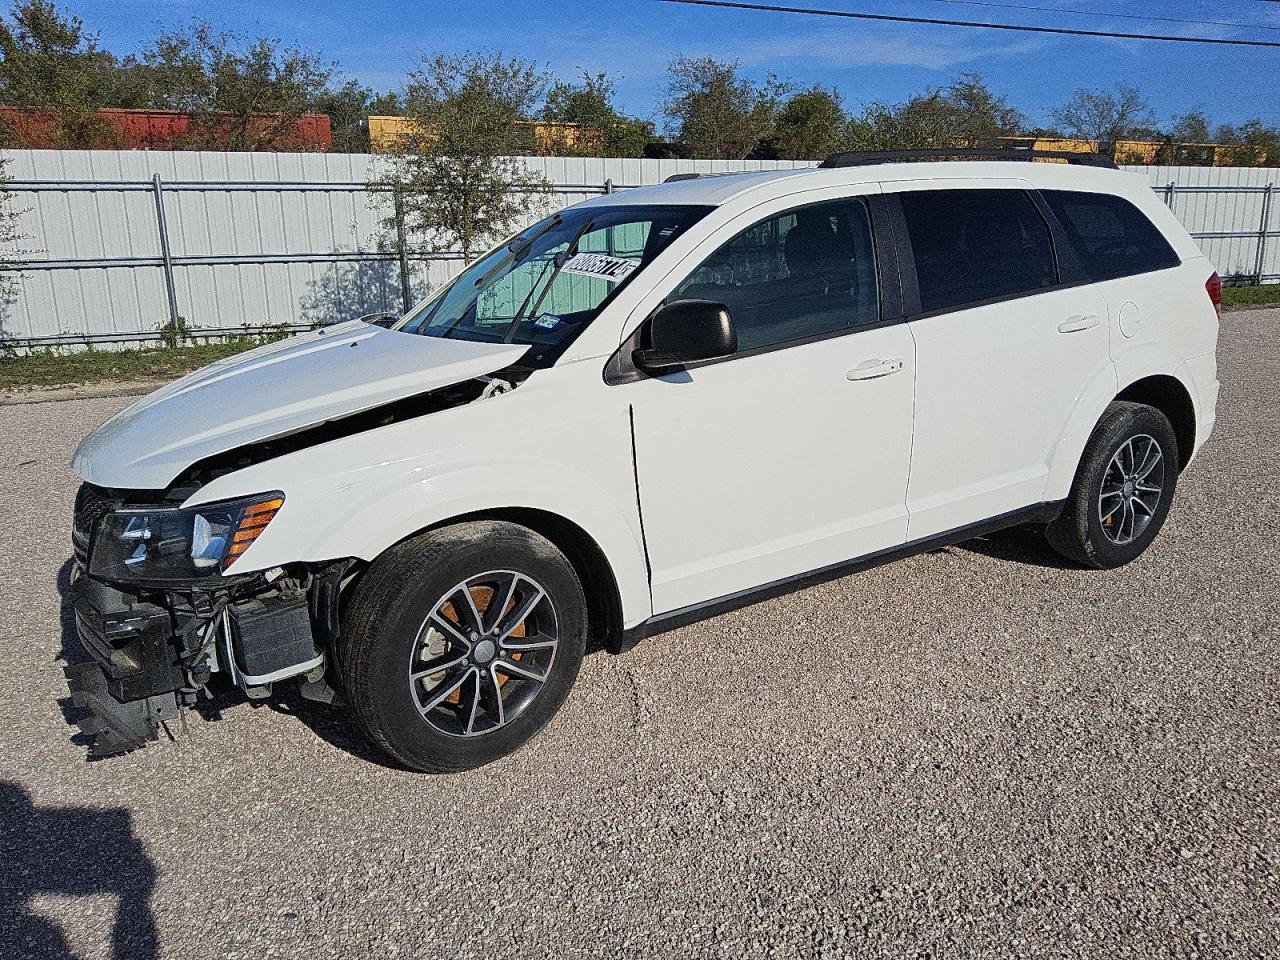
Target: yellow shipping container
[[546, 139]]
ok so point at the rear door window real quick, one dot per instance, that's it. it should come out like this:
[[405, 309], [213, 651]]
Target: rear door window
[[972, 246], [1112, 237]]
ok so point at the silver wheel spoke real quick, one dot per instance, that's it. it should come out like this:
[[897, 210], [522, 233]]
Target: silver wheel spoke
[[441, 622], [1152, 460], [444, 662], [494, 695], [442, 690], [516, 669], [1120, 459], [467, 613], [1112, 511], [470, 712], [538, 642], [521, 613], [500, 603]]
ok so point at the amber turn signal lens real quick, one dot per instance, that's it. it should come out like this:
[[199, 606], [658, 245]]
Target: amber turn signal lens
[[252, 522]]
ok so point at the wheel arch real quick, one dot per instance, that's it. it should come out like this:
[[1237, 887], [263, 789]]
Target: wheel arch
[[1171, 397], [585, 555]]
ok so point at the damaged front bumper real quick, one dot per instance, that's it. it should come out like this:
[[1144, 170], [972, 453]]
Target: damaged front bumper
[[154, 653]]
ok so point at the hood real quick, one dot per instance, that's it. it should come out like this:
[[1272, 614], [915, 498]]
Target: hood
[[271, 391]]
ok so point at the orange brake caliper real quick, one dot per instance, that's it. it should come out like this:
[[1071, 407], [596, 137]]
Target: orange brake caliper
[[481, 597]]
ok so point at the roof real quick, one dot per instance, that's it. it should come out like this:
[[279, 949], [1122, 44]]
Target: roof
[[717, 190]]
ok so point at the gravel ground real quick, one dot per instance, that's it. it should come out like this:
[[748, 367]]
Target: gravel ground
[[974, 752]]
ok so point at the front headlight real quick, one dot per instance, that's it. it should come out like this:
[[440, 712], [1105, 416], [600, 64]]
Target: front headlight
[[167, 546]]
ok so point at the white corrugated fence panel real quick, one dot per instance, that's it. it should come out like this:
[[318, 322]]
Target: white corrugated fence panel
[[110, 223]]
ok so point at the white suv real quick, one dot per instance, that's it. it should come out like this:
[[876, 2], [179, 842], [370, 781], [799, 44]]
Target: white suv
[[647, 409]]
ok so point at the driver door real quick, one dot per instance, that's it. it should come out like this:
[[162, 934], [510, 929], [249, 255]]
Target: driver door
[[792, 454]]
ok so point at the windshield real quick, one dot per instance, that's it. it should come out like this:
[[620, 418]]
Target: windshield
[[544, 286]]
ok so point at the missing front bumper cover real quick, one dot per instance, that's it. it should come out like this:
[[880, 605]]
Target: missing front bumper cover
[[153, 653]]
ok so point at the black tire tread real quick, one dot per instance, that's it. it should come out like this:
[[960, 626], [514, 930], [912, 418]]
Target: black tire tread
[[387, 580], [1069, 534]]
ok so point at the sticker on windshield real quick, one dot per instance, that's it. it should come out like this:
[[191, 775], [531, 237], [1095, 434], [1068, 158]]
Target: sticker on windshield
[[548, 321], [599, 265]]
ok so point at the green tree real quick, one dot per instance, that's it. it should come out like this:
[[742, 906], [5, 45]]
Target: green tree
[[1190, 127], [457, 176], [964, 113], [241, 94], [1106, 116], [348, 106], [9, 236], [715, 111], [1256, 143], [811, 126], [50, 62], [590, 103]]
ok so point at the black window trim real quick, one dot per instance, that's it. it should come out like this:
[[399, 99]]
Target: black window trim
[[889, 278], [1059, 247]]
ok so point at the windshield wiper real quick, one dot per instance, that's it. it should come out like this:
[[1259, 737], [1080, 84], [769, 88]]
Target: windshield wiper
[[560, 260], [517, 248]]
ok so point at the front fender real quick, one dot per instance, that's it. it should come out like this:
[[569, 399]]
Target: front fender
[[358, 495]]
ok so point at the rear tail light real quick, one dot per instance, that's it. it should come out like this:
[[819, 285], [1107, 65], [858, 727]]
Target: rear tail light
[[1213, 287]]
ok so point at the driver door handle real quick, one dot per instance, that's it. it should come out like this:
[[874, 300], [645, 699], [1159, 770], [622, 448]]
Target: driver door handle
[[1078, 323], [873, 369]]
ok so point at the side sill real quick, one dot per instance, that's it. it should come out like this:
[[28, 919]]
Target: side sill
[[1037, 513]]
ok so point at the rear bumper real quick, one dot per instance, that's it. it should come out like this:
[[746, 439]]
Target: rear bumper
[[1202, 375]]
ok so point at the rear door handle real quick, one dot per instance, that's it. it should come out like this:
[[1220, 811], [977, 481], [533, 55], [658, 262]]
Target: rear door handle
[[1076, 324], [871, 369]]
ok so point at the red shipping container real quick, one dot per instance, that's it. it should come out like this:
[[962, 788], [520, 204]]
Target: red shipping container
[[40, 128]]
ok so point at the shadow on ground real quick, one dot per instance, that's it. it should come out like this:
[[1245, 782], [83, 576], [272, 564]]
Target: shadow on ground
[[71, 851], [1019, 545]]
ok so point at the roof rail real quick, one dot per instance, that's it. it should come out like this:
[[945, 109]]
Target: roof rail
[[871, 157], [677, 177]]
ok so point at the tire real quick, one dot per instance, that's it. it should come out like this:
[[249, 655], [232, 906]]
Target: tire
[[411, 611], [1080, 532]]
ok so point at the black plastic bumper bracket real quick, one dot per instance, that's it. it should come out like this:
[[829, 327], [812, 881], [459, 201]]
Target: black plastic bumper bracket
[[115, 727]]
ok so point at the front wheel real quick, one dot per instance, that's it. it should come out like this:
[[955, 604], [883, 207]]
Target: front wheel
[[462, 643], [1122, 490]]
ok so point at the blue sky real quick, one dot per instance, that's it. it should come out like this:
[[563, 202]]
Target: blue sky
[[377, 41]]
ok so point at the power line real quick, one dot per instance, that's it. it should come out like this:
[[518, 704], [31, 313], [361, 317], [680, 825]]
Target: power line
[[936, 22], [1114, 16]]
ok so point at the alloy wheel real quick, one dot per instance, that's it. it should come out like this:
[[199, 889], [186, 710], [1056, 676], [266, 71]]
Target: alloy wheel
[[483, 653], [1131, 489]]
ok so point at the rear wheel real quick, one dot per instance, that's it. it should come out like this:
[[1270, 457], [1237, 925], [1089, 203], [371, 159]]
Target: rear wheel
[[1122, 490], [462, 643]]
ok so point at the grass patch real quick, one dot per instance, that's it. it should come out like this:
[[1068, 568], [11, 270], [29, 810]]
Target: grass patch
[[50, 369], [1267, 295]]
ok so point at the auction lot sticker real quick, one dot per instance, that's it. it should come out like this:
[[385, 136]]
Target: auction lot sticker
[[599, 265]]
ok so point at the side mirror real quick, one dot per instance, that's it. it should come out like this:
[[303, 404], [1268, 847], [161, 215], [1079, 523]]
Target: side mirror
[[684, 332], [381, 319]]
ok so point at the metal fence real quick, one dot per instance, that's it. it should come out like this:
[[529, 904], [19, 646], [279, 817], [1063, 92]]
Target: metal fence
[[121, 245]]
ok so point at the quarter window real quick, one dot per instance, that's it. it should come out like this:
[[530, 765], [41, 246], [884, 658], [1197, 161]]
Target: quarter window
[[804, 273], [972, 246], [1112, 237]]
